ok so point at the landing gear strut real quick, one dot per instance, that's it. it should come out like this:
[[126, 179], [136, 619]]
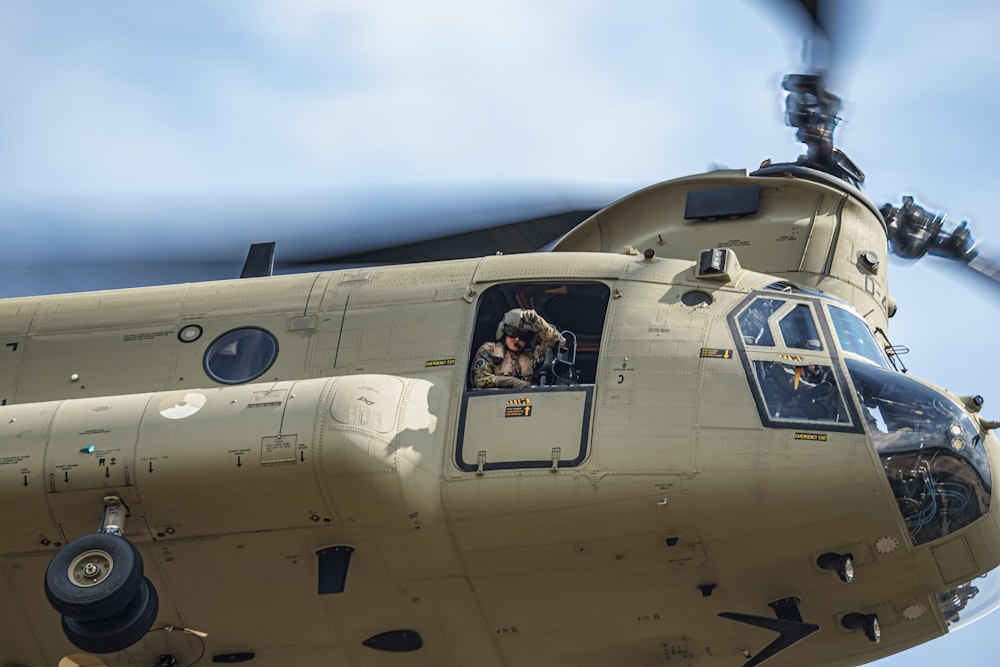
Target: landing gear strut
[[97, 583]]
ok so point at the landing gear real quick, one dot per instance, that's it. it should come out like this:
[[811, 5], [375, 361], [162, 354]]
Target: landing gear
[[93, 576], [119, 631], [97, 583]]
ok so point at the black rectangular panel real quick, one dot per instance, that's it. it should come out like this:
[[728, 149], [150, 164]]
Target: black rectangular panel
[[723, 203]]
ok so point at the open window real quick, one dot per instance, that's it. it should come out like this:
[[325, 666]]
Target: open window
[[577, 310], [544, 423]]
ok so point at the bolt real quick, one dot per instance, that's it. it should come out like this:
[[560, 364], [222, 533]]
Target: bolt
[[90, 570]]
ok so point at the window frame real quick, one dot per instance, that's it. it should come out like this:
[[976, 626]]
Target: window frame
[[780, 353], [208, 355]]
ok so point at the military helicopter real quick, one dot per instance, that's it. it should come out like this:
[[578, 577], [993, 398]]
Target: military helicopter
[[300, 460]]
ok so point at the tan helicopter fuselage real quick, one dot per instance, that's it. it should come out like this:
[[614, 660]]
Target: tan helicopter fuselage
[[605, 522]]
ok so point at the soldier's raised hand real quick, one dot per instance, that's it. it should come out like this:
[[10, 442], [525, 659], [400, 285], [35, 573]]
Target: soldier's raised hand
[[532, 320]]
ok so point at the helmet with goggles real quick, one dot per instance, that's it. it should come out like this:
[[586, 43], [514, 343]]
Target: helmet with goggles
[[510, 327]]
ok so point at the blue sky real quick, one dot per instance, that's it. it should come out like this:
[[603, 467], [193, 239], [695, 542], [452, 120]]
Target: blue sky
[[186, 130]]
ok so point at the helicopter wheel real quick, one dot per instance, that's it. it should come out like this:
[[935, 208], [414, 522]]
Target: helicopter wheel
[[94, 577], [117, 632]]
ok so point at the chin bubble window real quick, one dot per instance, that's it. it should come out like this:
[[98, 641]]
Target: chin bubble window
[[240, 355]]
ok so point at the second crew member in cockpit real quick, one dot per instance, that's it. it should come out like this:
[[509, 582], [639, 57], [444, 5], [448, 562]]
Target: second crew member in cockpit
[[522, 338], [801, 392]]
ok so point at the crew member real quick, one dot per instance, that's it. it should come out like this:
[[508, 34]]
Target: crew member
[[522, 338], [801, 392]]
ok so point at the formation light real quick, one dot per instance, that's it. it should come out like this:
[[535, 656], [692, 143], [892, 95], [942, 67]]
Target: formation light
[[866, 622], [842, 564]]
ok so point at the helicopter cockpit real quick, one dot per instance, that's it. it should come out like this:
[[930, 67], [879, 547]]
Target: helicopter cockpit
[[935, 460], [932, 453]]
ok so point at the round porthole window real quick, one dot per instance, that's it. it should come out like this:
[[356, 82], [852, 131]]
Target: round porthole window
[[240, 355], [696, 298]]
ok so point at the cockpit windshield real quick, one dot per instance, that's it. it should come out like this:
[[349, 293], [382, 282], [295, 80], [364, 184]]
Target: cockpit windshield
[[855, 337], [931, 452]]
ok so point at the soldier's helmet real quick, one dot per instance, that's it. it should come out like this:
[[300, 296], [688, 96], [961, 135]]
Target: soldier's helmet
[[510, 325]]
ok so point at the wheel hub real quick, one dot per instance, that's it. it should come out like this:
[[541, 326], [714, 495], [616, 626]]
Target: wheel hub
[[90, 568]]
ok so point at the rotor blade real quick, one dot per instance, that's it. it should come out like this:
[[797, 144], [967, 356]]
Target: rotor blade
[[830, 30], [526, 235], [979, 274], [99, 247], [988, 267], [916, 232], [809, 19]]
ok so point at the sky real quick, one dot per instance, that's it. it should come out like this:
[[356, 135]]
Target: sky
[[137, 134]]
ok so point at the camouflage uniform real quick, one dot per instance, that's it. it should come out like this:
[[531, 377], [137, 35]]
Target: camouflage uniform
[[495, 366]]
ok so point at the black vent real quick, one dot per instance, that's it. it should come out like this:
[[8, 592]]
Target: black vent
[[395, 641]]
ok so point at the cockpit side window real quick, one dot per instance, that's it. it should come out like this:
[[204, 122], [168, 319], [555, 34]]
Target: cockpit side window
[[785, 350], [753, 322], [798, 329], [800, 393]]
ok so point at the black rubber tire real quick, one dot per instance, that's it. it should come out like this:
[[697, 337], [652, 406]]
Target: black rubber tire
[[101, 600], [117, 633]]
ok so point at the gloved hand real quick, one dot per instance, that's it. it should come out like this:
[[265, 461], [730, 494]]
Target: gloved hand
[[533, 321], [507, 382]]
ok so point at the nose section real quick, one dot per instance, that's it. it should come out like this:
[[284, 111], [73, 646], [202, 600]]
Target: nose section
[[969, 561]]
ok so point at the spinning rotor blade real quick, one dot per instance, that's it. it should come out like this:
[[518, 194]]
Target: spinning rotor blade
[[812, 19], [527, 235], [106, 247], [988, 267], [915, 232]]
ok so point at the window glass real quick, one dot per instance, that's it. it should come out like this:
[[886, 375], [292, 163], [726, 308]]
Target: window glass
[[855, 337], [240, 355], [932, 453], [753, 321], [970, 601], [789, 288], [799, 330], [800, 393]]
